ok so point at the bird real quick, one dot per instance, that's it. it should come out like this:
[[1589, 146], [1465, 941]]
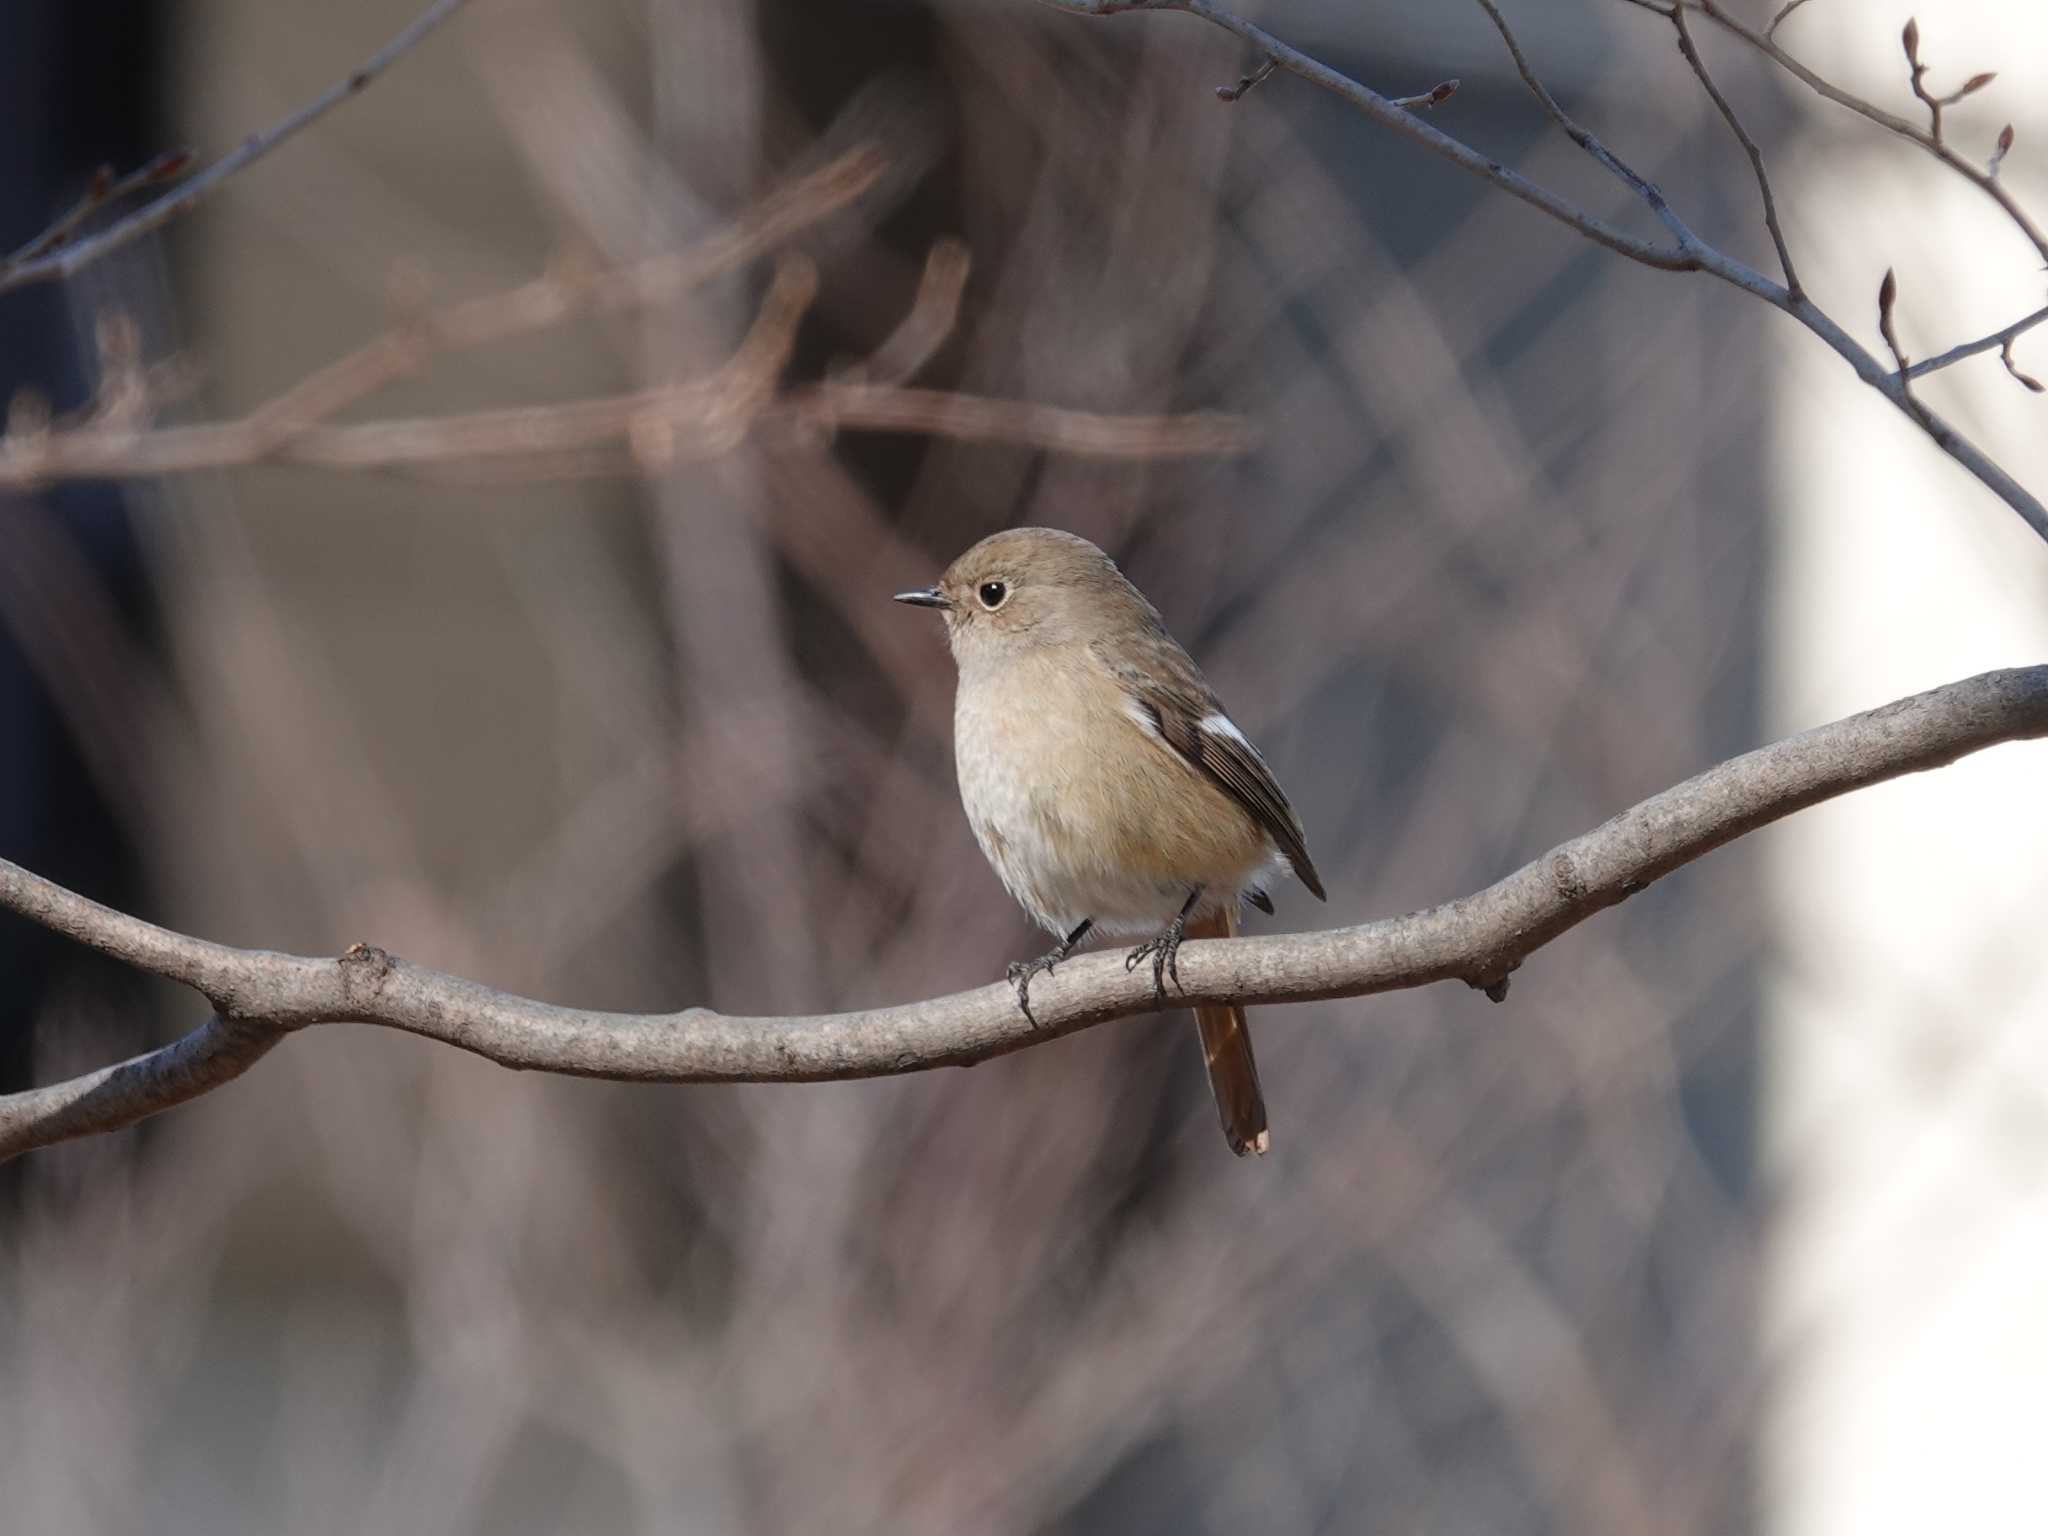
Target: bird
[[1105, 782]]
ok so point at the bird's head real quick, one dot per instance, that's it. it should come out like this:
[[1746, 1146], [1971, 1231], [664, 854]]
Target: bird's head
[[1027, 588]]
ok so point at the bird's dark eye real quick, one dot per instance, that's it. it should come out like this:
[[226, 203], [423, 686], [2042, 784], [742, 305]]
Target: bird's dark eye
[[992, 594]]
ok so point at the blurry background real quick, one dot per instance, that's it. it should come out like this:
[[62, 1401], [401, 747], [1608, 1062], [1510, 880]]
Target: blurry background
[[1730, 1207]]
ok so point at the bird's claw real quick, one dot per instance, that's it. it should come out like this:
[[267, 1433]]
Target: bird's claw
[[1021, 971], [1020, 974], [1164, 953]]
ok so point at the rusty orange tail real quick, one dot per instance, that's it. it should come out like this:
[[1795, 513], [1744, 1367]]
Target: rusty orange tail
[[1227, 1047]]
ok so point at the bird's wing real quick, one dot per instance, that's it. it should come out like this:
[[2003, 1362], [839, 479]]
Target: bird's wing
[[1171, 692]]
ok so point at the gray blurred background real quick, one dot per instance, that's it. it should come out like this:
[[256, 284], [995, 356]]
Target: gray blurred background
[[1497, 568]]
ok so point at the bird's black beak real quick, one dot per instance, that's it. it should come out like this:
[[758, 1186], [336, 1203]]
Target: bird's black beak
[[927, 597]]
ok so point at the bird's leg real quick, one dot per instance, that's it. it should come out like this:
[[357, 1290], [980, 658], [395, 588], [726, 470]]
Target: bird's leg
[[1164, 951], [1021, 971]]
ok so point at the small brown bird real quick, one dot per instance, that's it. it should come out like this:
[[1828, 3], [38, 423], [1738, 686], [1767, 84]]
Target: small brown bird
[[1103, 778]]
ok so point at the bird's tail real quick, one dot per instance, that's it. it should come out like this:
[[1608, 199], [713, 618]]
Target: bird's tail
[[1227, 1047]]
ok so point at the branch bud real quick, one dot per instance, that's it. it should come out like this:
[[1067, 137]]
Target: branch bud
[[2033, 384], [1911, 38], [169, 164], [2004, 148]]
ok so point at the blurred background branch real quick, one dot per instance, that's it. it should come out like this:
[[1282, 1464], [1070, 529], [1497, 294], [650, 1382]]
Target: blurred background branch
[[60, 251], [700, 418]]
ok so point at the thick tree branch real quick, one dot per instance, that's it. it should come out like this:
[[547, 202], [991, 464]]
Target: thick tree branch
[[257, 996], [1690, 253], [115, 1097], [53, 254]]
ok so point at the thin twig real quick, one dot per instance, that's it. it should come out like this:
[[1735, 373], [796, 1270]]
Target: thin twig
[[698, 419], [1778, 20], [716, 414], [1405, 124], [684, 422], [258, 995], [694, 420], [106, 188], [1691, 255], [977, 418], [1999, 339], [1916, 72], [1918, 75], [1984, 180], [1247, 83], [563, 294], [1749, 145], [1640, 185], [70, 258]]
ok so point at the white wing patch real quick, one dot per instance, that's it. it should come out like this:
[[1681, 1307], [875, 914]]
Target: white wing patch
[[1223, 725], [1143, 718]]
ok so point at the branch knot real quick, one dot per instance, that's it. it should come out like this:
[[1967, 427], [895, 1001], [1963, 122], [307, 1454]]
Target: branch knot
[[364, 970], [1564, 874]]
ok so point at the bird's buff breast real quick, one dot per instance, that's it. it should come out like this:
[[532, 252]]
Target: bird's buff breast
[[1080, 810]]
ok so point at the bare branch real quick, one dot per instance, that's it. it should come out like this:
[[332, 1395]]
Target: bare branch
[[1637, 184], [67, 258], [1389, 114], [682, 423], [1479, 939], [1749, 145], [2001, 340], [698, 419], [1691, 254], [1089, 434], [106, 188], [565, 293], [1916, 74], [1778, 20], [215, 1053], [924, 330], [1985, 181]]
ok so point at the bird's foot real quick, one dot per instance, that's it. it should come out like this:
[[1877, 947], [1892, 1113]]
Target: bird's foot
[[1021, 971], [1164, 953]]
